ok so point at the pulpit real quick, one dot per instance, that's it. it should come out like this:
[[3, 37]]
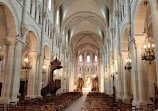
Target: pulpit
[[53, 86]]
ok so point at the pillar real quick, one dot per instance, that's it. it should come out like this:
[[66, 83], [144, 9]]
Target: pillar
[[38, 76], [120, 87], [154, 14], [71, 71], [109, 81], [102, 75], [47, 62], [143, 73], [127, 80], [16, 72], [8, 71], [32, 75]]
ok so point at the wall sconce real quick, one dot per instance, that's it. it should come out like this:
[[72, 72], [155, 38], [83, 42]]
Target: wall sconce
[[44, 69], [27, 63]]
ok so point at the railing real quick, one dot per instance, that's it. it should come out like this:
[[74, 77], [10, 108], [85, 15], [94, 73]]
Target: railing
[[52, 86]]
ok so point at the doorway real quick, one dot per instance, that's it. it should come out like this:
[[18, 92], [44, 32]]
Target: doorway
[[23, 88]]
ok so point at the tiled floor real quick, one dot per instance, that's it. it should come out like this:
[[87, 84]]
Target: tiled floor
[[76, 106]]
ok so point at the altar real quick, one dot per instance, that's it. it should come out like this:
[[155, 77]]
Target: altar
[[86, 90]]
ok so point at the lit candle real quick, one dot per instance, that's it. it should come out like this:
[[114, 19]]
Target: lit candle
[[153, 45], [148, 45], [26, 59], [145, 46]]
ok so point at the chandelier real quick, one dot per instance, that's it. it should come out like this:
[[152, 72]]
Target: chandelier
[[148, 53], [1, 54], [128, 65], [27, 63]]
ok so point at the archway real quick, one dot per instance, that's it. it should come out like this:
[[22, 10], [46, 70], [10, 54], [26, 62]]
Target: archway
[[88, 83], [30, 59], [143, 34]]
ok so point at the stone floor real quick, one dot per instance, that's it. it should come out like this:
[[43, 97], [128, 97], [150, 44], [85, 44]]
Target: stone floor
[[76, 106]]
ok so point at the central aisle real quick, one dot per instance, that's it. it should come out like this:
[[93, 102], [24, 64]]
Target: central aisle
[[76, 106]]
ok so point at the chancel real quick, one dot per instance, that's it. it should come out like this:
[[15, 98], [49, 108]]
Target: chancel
[[78, 55]]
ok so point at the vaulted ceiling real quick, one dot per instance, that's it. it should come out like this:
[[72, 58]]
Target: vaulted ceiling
[[86, 22]]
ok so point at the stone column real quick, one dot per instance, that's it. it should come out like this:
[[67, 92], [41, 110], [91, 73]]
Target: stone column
[[47, 62], [102, 75], [143, 73], [71, 77], [111, 81], [119, 57], [152, 77], [32, 75], [134, 73], [65, 76], [26, 7], [127, 80], [16, 72], [38, 76], [108, 81], [6, 88], [62, 79], [154, 16]]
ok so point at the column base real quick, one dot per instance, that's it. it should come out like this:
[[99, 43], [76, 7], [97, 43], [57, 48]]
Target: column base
[[14, 100], [135, 103], [39, 96], [119, 97], [4, 100], [144, 102], [30, 96], [127, 100], [108, 92]]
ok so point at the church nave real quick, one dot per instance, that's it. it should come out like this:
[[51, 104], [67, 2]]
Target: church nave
[[73, 55]]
